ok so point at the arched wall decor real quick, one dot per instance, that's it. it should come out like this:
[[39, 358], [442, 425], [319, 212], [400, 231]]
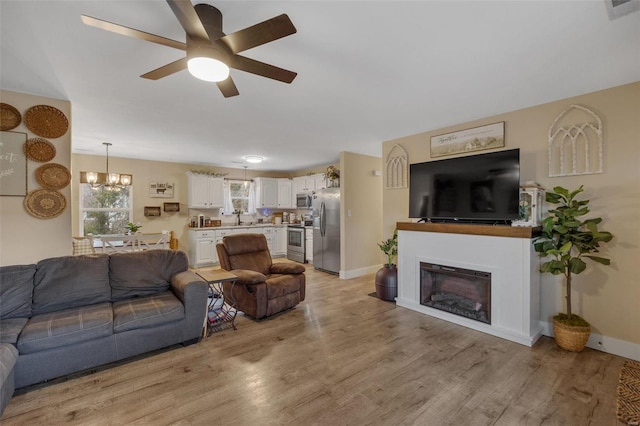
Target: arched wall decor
[[397, 166], [575, 143]]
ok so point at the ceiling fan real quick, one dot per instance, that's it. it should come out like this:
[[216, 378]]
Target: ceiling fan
[[210, 53]]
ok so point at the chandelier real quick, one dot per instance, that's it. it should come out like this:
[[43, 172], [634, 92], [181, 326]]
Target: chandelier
[[111, 181]]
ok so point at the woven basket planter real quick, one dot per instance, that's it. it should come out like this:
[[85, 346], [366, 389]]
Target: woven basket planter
[[571, 338]]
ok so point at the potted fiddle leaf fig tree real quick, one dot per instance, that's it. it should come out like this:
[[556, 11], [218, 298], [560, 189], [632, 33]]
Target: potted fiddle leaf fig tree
[[567, 239], [387, 276]]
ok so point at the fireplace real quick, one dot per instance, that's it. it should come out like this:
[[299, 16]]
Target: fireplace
[[459, 291], [508, 266]]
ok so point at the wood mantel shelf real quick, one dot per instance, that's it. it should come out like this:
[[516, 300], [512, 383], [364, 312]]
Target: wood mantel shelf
[[471, 229]]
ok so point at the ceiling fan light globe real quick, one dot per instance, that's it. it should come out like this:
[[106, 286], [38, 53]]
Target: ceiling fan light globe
[[208, 69]]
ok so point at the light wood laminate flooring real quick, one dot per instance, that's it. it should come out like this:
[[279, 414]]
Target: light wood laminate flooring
[[340, 358]]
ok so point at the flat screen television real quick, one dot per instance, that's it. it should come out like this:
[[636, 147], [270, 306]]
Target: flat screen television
[[480, 188]]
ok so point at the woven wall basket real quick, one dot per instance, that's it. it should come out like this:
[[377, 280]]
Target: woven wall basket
[[571, 338], [39, 150], [10, 117], [46, 121], [44, 203], [53, 176]]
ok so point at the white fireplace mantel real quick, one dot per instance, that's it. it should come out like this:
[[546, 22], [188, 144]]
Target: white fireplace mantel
[[506, 252]]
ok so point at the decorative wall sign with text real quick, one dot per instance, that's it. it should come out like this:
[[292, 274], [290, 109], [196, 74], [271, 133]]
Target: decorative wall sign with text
[[161, 190], [13, 164], [476, 139]]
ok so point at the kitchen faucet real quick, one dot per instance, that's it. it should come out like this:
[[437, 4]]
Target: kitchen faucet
[[238, 212]]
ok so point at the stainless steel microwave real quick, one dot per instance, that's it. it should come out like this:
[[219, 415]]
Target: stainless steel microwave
[[303, 201]]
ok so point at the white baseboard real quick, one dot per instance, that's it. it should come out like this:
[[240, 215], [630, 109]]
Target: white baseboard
[[606, 344], [353, 273]]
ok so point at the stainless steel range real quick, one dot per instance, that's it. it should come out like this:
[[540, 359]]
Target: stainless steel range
[[295, 243]]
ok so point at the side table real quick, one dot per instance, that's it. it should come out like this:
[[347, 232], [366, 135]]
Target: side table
[[221, 309]]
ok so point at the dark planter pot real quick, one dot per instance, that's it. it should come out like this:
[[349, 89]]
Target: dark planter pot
[[387, 283]]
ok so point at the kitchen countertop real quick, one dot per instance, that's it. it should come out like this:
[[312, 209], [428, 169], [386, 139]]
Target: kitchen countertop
[[253, 225]]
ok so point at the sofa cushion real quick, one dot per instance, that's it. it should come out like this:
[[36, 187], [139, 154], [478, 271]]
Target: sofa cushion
[[10, 329], [67, 327], [8, 357], [144, 273], [71, 281], [16, 290], [150, 311], [280, 285]]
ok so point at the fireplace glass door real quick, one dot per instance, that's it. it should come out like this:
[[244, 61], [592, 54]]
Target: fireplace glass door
[[455, 290]]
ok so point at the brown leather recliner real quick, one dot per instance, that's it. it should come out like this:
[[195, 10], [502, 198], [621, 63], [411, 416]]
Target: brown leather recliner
[[263, 288]]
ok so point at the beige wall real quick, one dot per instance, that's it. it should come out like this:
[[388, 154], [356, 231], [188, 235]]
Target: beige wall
[[360, 187], [608, 297], [26, 239], [360, 212], [145, 172]]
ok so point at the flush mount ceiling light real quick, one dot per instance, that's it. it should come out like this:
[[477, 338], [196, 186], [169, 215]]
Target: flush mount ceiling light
[[111, 181], [208, 69], [253, 159], [207, 63]]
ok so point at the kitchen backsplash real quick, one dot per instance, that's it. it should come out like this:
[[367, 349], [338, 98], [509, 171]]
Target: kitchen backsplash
[[262, 215]]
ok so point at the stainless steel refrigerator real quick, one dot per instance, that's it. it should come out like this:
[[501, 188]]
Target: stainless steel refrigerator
[[326, 229]]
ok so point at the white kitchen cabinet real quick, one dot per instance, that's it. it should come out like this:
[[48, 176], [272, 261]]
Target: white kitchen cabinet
[[268, 234], [304, 184], [202, 242], [266, 192], [221, 233], [285, 194], [308, 241], [279, 240], [309, 183], [319, 181], [276, 240], [202, 248], [205, 192]]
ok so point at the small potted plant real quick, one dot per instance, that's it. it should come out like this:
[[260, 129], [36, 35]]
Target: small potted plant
[[387, 276], [567, 238], [132, 228]]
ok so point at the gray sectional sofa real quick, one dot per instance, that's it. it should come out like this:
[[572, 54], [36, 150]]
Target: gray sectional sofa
[[72, 313]]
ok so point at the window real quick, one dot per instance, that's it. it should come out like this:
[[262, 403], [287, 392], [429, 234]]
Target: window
[[239, 195], [103, 210]]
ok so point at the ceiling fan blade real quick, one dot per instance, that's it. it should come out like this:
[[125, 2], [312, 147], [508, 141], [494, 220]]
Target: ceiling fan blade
[[259, 34], [166, 70], [130, 32], [252, 66], [228, 88], [186, 14]]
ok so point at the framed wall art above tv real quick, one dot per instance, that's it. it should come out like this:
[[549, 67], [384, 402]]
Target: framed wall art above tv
[[469, 140]]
